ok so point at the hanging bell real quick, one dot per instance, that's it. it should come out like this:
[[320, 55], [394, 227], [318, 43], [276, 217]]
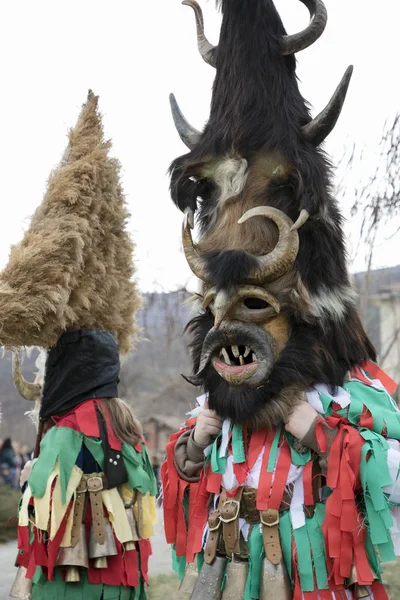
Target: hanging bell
[[134, 529], [99, 552], [235, 578], [274, 582], [360, 591], [22, 587], [189, 579], [209, 582], [74, 557]]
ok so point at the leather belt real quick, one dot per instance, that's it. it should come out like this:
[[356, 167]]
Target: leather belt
[[95, 487], [229, 516], [80, 500], [270, 533], [214, 528]]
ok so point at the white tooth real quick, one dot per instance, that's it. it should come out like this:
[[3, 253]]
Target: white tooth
[[246, 352], [241, 360], [254, 357], [235, 351], [226, 356]]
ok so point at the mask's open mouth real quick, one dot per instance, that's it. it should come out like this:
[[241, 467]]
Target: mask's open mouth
[[235, 363]]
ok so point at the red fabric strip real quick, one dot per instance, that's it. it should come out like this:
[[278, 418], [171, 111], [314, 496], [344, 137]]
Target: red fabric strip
[[131, 566], [145, 552], [265, 481], [114, 442], [308, 484], [377, 373], [87, 419]]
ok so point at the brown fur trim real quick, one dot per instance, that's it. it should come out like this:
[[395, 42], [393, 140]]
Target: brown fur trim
[[74, 265]]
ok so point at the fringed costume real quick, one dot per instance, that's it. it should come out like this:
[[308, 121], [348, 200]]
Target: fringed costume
[[258, 513], [88, 508]]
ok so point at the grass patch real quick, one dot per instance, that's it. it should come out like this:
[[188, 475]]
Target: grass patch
[[9, 499], [164, 587]]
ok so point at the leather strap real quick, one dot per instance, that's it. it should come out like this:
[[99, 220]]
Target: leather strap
[[270, 532], [230, 509], [214, 527], [95, 486], [248, 509], [139, 502], [79, 506]]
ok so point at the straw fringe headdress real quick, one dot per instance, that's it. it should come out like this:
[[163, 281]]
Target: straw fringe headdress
[[73, 268]]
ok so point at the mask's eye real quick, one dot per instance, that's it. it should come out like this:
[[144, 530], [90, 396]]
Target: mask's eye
[[255, 303]]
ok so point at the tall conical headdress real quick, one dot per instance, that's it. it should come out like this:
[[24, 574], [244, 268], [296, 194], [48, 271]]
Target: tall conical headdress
[[73, 268]]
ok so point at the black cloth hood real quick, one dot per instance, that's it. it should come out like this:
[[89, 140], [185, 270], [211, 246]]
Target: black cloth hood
[[83, 364]]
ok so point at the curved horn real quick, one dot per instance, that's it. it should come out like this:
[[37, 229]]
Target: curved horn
[[208, 51], [319, 128], [276, 263], [188, 134], [29, 391], [195, 261], [299, 41]]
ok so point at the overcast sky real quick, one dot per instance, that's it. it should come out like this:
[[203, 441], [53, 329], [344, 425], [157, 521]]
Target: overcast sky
[[132, 53]]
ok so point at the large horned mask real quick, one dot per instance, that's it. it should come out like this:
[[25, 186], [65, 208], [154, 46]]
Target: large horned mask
[[257, 185]]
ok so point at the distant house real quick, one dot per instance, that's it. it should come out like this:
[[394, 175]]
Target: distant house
[[157, 431], [388, 303], [380, 304]]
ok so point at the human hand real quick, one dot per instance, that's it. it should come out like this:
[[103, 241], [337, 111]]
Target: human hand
[[208, 426], [301, 419], [26, 471]]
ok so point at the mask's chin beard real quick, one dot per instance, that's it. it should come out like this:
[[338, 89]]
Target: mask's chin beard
[[246, 406]]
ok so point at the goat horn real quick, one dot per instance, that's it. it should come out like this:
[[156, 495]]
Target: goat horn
[[319, 128], [188, 134], [275, 264], [299, 41], [29, 391], [301, 220], [195, 260], [208, 51]]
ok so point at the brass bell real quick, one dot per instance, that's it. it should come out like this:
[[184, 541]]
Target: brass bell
[[209, 582], [74, 557], [235, 578], [22, 587], [189, 579], [360, 591], [99, 552], [274, 582]]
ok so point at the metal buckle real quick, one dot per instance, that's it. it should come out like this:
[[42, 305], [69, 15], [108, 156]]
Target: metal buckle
[[276, 522], [83, 486], [235, 503], [91, 481]]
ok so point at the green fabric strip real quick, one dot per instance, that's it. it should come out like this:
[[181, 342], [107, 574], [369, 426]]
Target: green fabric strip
[[374, 475], [239, 455], [178, 564], [92, 591], [379, 404], [298, 459], [96, 450], [111, 592], [304, 560], [59, 443], [317, 543], [256, 555], [286, 533], [218, 463], [137, 468], [83, 590], [274, 449]]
